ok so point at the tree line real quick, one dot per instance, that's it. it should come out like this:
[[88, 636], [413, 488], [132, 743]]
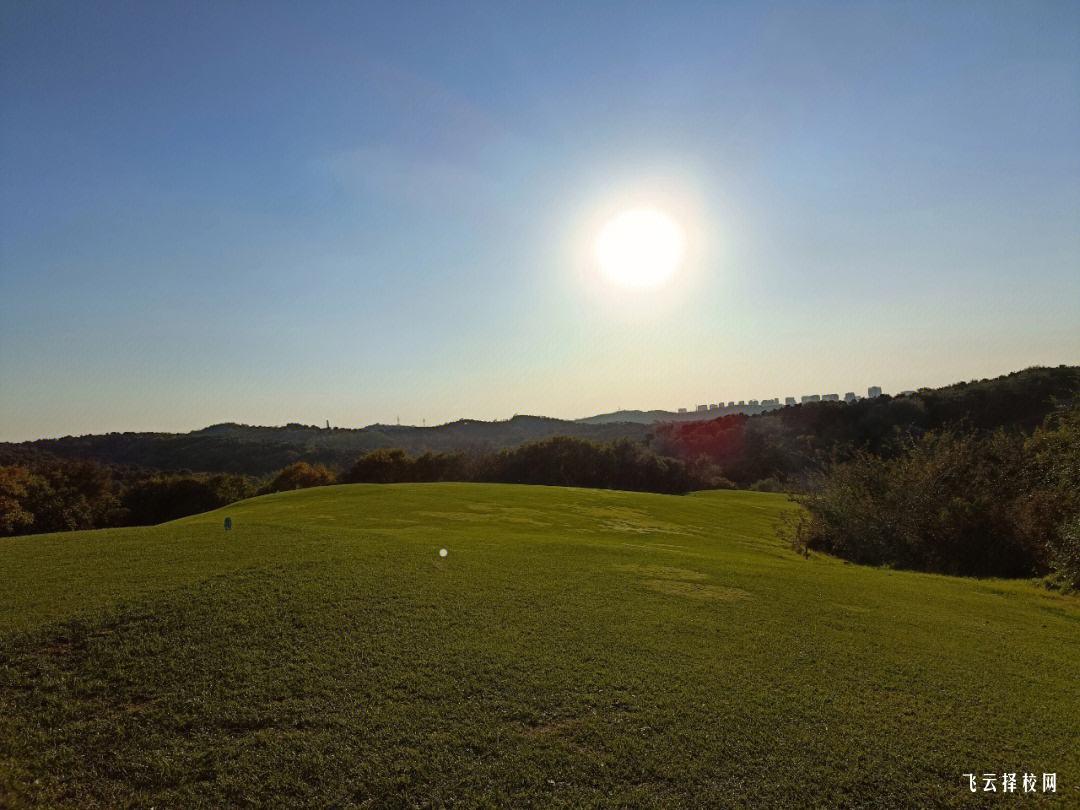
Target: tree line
[[63, 494], [559, 461]]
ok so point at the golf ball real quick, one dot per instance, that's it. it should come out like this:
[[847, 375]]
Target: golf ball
[[443, 552]]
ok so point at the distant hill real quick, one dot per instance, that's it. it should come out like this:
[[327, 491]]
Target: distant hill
[[636, 417], [256, 450], [652, 417], [749, 442]]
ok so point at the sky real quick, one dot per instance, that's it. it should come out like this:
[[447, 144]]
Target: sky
[[360, 212]]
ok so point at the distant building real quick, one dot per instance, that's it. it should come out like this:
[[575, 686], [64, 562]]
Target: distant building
[[682, 410], [742, 403], [850, 396], [713, 406], [731, 404], [754, 403], [811, 398], [789, 400], [873, 391], [830, 397], [907, 393], [771, 403], [702, 408]]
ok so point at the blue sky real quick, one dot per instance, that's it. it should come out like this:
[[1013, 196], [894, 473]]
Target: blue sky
[[267, 213]]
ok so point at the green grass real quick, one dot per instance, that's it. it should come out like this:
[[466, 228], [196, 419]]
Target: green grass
[[576, 648]]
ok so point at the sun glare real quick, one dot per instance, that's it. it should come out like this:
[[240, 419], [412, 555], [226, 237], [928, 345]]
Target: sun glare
[[640, 248]]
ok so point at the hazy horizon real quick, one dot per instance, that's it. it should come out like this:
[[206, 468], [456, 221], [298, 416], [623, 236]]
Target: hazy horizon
[[279, 213], [425, 422]]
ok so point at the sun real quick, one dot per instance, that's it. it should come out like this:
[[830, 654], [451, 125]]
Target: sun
[[640, 248]]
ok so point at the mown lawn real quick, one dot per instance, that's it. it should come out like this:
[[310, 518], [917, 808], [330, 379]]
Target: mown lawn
[[575, 648]]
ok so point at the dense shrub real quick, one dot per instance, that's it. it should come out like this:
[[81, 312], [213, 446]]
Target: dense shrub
[[383, 466], [1055, 503], [956, 503], [14, 487], [63, 495], [563, 461], [558, 461], [168, 497], [393, 466], [1065, 552], [57, 496], [300, 475], [768, 485]]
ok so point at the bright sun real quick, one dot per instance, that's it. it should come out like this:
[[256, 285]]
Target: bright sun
[[640, 248]]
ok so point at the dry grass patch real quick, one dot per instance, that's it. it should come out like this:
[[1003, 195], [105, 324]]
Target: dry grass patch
[[696, 590], [662, 572]]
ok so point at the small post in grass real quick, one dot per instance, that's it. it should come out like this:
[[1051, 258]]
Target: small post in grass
[[228, 524]]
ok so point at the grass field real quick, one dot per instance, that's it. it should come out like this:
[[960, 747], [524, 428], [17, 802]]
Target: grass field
[[575, 648]]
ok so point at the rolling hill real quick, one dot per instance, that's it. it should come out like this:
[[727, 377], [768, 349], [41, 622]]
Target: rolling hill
[[654, 416], [257, 450], [575, 648]]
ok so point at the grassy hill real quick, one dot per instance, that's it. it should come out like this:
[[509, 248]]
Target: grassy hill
[[575, 648]]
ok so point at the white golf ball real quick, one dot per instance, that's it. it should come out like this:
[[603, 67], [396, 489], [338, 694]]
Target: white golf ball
[[443, 552]]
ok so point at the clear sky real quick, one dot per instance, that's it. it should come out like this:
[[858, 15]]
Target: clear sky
[[267, 213]]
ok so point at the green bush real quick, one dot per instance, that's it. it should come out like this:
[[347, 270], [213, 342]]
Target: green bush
[[952, 504], [1065, 553], [300, 475], [168, 497], [1055, 508], [558, 461]]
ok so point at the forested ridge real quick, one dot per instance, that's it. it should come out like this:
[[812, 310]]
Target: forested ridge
[[780, 443]]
